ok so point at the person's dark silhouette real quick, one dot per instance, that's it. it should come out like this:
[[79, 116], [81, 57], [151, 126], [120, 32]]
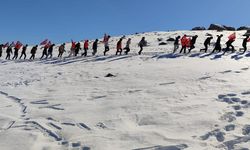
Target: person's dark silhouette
[[77, 48], [192, 43], [50, 51], [176, 43], [119, 47], [244, 44], [94, 47], [33, 52], [206, 44], [218, 44], [1, 49], [127, 48], [141, 44], [45, 52], [61, 50], [24, 52], [8, 51]]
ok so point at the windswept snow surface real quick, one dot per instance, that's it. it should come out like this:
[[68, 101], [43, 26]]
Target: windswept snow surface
[[156, 101]]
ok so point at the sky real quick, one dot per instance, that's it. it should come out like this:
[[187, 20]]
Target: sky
[[32, 21]]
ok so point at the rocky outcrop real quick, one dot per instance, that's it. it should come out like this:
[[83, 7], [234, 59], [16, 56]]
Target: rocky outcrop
[[216, 27], [198, 28], [229, 28], [244, 28]]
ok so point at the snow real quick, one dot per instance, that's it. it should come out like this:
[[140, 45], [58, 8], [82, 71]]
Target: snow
[[154, 101]]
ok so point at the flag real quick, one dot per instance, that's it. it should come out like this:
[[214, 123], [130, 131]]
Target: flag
[[48, 44], [44, 42], [12, 44], [6, 45], [18, 45]]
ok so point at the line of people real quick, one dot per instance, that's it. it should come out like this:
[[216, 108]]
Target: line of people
[[189, 42], [47, 48]]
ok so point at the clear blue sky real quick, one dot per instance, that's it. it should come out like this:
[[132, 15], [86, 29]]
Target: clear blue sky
[[31, 21]]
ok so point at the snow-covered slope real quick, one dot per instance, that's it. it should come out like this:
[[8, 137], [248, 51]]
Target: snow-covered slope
[[158, 100]]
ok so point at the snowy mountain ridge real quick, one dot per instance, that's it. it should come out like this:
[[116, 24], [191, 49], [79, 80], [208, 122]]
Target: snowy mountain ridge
[[155, 101]]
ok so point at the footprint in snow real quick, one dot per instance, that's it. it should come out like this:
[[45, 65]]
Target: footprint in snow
[[169, 83], [231, 94], [40, 102], [204, 78], [229, 117], [239, 114], [246, 93], [244, 69], [227, 71], [216, 133], [237, 107], [229, 127], [246, 130]]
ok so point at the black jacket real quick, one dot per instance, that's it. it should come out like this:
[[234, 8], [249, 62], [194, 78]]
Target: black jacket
[[208, 41], [9, 50], [51, 48], [95, 45], [33, 50]]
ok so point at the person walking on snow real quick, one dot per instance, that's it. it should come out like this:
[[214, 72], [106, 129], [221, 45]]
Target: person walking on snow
[[1, 50], [119, 47], [8, 51], [141, 44], [176, 43], [206, 44], [24, 52], [184, 44], [244, 44], [127, 48], [45, 51], [94, 47], [229, 43], [61, 50], [16, 48], [192, 43], [72, 49], [77, 48], [50, 51], [85, 48], [106, 44], [33, 52], [218, 44]]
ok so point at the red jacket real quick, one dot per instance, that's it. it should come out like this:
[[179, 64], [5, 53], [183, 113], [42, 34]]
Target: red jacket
[[119, 45], [188, 42], [73, 45], [232, 37], [184, 41], [105, 38], [86, 44]]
